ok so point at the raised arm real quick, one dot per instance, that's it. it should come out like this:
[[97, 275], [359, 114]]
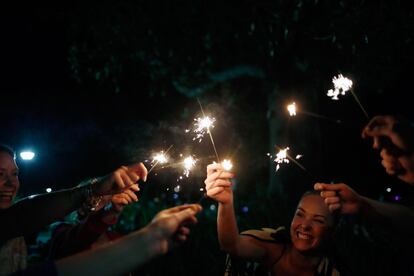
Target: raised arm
[[218, 187], [340, 197]]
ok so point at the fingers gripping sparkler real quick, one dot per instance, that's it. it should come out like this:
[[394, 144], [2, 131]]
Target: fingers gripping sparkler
[[227, 166]]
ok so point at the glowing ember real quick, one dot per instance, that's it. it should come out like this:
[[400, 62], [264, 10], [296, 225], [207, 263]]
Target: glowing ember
[[160, 158], [227, 165], [341, 86], [281, 157], [292, 109]]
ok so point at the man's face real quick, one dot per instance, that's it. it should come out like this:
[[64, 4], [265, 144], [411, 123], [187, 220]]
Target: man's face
[[9, 180]]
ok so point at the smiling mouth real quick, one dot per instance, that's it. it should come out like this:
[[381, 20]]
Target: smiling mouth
[[6, 196], [303, 236]]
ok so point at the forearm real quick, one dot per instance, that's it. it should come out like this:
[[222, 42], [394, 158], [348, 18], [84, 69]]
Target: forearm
[[115, 258], [68, 240], [397, 217], [227, 229], [31, 214]]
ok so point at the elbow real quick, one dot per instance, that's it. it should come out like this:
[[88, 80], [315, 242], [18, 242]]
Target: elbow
[[227, 246]]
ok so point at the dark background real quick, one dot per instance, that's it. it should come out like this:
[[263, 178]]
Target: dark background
[[90, 86]]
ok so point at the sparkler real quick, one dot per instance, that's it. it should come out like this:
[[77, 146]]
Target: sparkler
[[188, 164], [341, 86], [283, 157], [293, 110], [159, 158], [203, 125]]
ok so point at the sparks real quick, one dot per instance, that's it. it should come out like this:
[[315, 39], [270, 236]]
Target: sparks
[[201, 127], [341, 86], [292, 109], [160, 158], [281, 157], [188, 163]]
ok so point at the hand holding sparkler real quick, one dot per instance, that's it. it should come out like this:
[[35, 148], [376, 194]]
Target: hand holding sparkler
[[394, 137], [123, 179], [339, 197], [218, 184]]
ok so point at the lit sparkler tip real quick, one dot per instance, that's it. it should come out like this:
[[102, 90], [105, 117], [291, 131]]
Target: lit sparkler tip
[[281, 156], [227, 164], [204, 123], [341, 86], [292, 109], [188, 164], [202, 126], [160, 158]]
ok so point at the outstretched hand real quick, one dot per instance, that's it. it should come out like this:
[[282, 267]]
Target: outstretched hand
[[339, 197], [218, 184], [394, 138], [170, 225], [122, 179]]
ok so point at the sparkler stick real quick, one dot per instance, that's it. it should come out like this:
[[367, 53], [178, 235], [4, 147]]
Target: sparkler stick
[[209, 132], [359, 103], [159, 158], [293, 110]]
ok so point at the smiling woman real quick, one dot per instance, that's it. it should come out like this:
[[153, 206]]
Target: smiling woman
[[305, 253], [9, 185], [312, 224], [9, 180]]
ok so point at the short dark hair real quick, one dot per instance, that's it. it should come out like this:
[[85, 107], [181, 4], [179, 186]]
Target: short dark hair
[[7, 149], [310, 192]]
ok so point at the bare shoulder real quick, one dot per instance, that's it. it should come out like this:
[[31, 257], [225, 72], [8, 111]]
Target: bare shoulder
[[272, 240]]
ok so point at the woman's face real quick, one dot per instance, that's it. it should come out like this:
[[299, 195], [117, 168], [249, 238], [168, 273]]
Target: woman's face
[[9, 180], [311, 225]]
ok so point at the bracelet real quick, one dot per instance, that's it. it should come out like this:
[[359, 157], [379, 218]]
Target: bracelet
[[91, 201]]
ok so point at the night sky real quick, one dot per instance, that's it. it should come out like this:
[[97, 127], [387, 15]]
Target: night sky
[[91, 86], [83, 83]]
